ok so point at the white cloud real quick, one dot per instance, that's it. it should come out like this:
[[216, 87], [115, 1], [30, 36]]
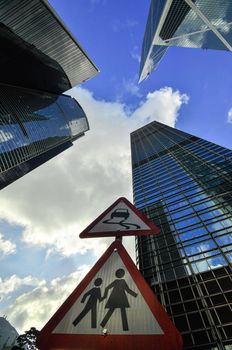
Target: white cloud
[[118, 25], [131, 86], [229, 116], [11, 284], [34, 309], [135, 54], [162, 105], [55, 202], [6, 246]]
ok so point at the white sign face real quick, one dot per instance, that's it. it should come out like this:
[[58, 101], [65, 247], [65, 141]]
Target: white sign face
[[111, 302], [120, 218]]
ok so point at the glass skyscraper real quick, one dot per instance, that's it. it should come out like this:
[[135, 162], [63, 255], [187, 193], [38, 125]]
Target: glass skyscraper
[[203, 24], [184, 184], [40, 60], [8, 334], [34, 127]]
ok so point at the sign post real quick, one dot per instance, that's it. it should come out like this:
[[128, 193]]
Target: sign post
[[113, 308]]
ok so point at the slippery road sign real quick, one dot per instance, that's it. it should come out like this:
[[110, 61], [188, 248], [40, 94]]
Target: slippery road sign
[[120, 219], [112, 308]]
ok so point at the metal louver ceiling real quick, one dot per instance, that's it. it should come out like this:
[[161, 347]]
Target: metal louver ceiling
[[42, 45]]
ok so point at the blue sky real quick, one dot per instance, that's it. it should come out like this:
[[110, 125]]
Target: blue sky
[[113, 36], [41, 215]]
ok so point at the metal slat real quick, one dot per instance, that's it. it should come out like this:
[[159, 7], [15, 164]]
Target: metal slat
[[36, 23]]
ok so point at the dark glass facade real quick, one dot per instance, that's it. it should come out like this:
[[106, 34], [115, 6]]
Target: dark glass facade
[[40, 59], [34, 127], [187, 23], [184, 184]]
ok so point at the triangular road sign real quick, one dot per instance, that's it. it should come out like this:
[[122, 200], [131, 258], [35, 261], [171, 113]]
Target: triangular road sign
[[113, 308], [120, 219]]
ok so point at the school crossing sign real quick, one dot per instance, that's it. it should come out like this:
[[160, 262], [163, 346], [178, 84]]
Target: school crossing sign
[[112, 308]]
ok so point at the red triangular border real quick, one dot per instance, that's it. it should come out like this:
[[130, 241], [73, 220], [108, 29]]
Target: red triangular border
[[153, 229], [170, 340]]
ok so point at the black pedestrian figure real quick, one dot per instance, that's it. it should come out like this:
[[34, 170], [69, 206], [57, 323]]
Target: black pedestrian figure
[[118, 299], [94, 295]]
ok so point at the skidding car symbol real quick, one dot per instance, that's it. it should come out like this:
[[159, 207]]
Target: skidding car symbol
[[120, 213]]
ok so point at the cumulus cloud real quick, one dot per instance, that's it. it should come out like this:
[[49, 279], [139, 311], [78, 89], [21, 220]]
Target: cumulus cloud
[[58, 200], [162, 105], [6, 246], [35, 308], [13, 283]]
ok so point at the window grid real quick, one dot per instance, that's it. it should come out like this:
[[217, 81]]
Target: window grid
[[185, 188], [33, 123]]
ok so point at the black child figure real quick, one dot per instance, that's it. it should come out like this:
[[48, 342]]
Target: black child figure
[[94, 295], [118, 299]]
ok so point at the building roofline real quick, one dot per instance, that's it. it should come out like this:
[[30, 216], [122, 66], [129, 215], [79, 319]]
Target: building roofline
[[57, 17], [49, 58]]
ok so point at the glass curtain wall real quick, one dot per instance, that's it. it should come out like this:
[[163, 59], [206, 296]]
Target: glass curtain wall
[[184, 184], [203, 24], [33, 123]]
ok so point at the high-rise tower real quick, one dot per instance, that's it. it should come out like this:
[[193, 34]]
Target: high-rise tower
[[8, 334], [40, 59], [184, 184], [203, 24]]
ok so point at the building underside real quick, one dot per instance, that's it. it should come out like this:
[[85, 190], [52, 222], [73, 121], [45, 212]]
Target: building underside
[[205, 24]]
